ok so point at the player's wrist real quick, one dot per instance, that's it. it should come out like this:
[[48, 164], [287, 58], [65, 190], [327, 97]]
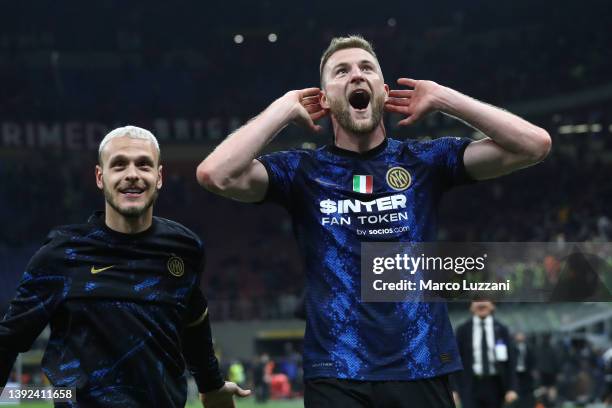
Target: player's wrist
[[212, 388], [209, 383], [285, 109], [446, 100]]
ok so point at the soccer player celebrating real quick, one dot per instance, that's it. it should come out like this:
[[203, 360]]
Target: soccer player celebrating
[[121, 294], [367, 187]]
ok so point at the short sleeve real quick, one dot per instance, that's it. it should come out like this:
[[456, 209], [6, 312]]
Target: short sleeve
[[282, 168], [446, 155]]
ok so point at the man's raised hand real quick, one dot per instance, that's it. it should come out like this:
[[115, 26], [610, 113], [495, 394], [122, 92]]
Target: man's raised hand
[[414, 103], [307, 107], [224, 396]]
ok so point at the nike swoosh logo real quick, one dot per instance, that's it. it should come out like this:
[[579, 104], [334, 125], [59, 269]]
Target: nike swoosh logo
[[95, 270]]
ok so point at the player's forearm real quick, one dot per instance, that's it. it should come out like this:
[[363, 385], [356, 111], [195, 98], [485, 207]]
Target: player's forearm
[[234, 155], [509, 131], [200, 356]]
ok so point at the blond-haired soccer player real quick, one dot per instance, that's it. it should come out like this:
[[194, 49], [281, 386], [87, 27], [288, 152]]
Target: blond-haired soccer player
[[121, 294], [359, 354]]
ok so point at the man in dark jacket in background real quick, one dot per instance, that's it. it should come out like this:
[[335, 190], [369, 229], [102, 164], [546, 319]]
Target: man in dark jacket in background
[[488, 354], [525, 365]]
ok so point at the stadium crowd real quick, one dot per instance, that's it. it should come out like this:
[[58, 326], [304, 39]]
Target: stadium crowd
[[122, 67]]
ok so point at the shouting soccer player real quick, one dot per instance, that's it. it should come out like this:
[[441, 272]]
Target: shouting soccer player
[[122, 296], [360, 354]]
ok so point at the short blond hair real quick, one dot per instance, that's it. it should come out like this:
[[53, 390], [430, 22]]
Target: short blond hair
[[133, 132], [342, 43]]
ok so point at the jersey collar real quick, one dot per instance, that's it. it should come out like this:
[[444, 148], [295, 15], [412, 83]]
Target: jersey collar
[[97, 218], [357, 155]]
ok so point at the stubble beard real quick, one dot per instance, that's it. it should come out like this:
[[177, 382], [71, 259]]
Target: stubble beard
[[131, 212], [340, 109]]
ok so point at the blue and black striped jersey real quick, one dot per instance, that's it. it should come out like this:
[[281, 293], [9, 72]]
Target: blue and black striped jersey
[[125, 312], [337, 200]]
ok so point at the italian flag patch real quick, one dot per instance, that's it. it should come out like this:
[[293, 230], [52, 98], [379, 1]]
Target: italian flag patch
[[363, 184]]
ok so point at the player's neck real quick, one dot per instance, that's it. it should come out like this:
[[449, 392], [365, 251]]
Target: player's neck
[[359, 143], [125, 225]]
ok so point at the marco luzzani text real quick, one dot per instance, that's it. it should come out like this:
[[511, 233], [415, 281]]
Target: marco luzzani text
[[408, 264]]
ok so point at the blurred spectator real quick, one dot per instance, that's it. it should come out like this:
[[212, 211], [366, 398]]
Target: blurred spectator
[[607, 359], [488, 354], [548, 365], [290, 365], [525, 365], [235, 373], [262, 375]]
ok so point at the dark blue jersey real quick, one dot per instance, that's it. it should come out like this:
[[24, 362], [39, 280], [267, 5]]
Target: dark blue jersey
[[125, 312], [338, 199]]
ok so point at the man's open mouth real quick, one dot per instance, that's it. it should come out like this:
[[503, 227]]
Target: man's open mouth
[[359, 99]]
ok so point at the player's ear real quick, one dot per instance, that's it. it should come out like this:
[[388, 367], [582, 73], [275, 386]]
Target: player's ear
[[323, 100], [99, 181], [159, 177], [386, 92]]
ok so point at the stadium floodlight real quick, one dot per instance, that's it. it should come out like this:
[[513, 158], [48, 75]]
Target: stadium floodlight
[[391, 22], [272, 37], [581, 128], [238, 38]]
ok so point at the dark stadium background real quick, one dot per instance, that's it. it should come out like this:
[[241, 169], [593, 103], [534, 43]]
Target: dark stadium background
[[194, 71]]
